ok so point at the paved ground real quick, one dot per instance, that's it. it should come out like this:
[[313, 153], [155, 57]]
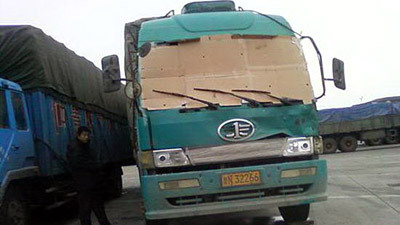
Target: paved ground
[[364, 189]]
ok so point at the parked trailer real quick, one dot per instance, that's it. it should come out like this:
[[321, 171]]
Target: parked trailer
[[375, 123], [46, 92]]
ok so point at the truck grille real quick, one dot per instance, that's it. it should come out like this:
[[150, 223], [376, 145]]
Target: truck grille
[[244, 163], [238, 195]]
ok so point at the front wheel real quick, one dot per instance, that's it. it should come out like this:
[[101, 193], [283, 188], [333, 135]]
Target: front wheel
[[116, 187], [14, 210], [297, 213], [157, 222]]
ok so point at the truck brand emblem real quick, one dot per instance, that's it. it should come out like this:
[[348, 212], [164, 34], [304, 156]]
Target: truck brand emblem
[[236, 130]]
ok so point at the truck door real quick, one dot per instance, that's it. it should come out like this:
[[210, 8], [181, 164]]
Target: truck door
[[21, 150], [5, 130]]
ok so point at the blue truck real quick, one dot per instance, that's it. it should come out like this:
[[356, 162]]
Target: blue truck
[[46, 92], [222, 112]]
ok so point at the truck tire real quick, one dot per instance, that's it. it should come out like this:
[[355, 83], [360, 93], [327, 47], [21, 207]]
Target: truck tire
[[113, 181], [295, 214], [157, 222], [14, 210], [117, 186], [391, 140], [374, 142], [348, 144], [330, 145]]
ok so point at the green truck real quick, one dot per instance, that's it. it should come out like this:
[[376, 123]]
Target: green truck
[[375, 123], [223, 115]]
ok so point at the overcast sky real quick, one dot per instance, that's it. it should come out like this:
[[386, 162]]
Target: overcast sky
[[364, 34]]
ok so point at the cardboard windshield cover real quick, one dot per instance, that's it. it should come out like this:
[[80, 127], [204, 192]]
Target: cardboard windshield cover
[[224, 62]]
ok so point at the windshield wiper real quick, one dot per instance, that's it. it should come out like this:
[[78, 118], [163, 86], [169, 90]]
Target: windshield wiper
[[209, 104], [252, 102], [283, 100]]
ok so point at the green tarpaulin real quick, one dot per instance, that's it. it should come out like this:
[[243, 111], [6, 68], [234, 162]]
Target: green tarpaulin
[[34, 60]]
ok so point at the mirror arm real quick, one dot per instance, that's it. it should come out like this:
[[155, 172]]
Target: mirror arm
[[331, 79], [321, 66], [171, 12], [123, 79]]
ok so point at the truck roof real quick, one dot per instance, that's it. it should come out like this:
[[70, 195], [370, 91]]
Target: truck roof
[[387, 99], [195, 25]]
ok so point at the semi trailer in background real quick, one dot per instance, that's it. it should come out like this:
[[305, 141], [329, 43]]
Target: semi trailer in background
[[222, 112], [375, 123], [46, 92]]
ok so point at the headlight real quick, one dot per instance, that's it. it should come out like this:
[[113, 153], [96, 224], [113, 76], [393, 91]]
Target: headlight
[[299, 146], [170, 158]]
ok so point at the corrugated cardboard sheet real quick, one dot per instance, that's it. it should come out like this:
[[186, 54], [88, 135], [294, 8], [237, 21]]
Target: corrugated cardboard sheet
[[224, 62]]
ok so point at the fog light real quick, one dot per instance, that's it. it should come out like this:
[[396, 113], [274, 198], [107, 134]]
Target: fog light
[[178, 184], [298, 172]]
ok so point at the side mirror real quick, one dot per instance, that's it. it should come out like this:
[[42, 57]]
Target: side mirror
[[145, 49], [338, 73], [111, 73]]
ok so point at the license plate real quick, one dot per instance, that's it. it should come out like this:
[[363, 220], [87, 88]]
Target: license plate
[[240, 179]]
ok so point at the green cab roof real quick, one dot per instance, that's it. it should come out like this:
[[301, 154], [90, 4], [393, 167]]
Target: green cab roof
[[195, 25]]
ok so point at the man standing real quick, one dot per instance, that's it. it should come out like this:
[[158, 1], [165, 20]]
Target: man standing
[[88, 180]]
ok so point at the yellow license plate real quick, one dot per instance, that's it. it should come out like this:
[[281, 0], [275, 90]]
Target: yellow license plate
[[240, 179]]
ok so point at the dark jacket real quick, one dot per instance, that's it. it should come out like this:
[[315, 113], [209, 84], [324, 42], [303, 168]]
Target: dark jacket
[[85, 169]]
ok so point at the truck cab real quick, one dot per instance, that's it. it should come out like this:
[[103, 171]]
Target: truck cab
[[16, 143], [225, 116]]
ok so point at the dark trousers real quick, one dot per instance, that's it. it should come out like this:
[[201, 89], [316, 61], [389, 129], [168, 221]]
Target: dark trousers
[[89, 201]]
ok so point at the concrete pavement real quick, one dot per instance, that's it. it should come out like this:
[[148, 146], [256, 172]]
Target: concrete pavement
[[363, 189]]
